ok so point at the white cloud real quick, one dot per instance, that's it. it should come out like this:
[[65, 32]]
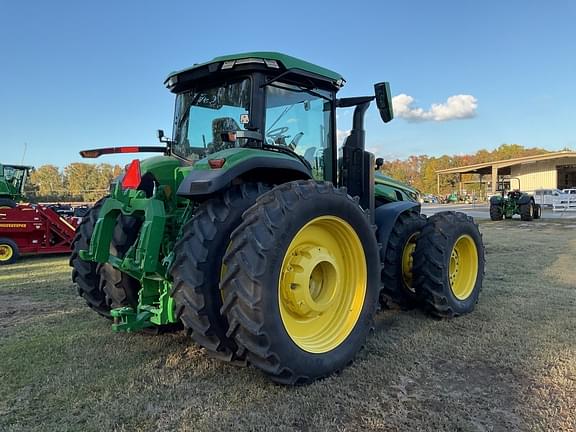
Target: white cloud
[[456, 107]]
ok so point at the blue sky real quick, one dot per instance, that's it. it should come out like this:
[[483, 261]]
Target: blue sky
[[77, 75]]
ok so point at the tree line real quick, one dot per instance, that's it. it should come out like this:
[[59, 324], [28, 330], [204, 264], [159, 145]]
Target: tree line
[[420, 171], [76, 182]]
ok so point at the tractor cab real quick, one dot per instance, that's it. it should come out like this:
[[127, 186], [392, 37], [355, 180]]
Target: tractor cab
[[12, 181], [277, 103]]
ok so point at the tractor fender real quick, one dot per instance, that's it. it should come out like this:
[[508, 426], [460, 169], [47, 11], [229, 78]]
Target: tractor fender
[[495, 200], [385, 217], [202, 182], [525, 199]]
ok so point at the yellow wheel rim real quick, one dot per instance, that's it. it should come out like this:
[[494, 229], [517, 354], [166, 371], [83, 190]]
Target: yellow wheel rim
[[407, 261], [463, 269], [322, 284], [6, 252]]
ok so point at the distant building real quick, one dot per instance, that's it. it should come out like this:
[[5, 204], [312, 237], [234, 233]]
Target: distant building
[[545, 171]]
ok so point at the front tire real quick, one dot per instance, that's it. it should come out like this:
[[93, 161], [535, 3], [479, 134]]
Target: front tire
[[527, 211], [449, 264], [302, 281], [537, 211], [496, 213]]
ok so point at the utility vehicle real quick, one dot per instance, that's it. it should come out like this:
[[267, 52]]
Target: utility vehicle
[[260, 236]]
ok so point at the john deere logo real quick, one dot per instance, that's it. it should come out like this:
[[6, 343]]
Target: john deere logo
[[13, 225]]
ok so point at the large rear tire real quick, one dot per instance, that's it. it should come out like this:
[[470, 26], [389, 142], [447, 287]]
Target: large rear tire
[[449, 264], [302, 281], [198, 266], [85, 273], [398, 260]]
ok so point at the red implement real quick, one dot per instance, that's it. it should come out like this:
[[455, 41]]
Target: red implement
[[35, 230]]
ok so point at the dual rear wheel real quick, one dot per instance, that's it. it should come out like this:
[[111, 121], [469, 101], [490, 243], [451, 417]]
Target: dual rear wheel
[[437, 263], [289, 279]]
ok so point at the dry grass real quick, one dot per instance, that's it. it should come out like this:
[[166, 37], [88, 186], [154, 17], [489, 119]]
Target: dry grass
[[511, 365]]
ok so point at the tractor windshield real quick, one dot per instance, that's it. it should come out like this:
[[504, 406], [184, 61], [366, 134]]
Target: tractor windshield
[[300, 119], [203, 115], [14, 178]]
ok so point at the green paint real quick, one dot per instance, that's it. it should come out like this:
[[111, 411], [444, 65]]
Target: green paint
[[388, 189], [12, 181], [287, 61]]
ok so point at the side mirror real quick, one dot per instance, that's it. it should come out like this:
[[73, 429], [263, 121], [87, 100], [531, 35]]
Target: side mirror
[[379, 163], [384, 101], [160, 134]]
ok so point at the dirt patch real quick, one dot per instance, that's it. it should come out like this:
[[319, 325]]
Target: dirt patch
[[17, 311]]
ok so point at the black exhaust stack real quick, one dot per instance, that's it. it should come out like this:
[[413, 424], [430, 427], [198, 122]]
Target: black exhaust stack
[[357, 168]]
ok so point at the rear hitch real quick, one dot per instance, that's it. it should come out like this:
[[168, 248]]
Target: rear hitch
[[128, 320]]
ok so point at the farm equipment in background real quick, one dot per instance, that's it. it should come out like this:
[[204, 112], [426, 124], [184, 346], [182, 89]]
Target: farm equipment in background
[[260, 236], [12, 182], [28, 229], [33, 230], [513, 202]]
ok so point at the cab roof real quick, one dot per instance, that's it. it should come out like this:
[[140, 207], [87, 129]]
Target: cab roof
[[272, 60]]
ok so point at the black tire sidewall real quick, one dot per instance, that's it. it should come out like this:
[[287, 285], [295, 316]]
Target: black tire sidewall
[[464, 306], [303, 362], [15, 250], [7, 202], [413, 225], [496, 213]]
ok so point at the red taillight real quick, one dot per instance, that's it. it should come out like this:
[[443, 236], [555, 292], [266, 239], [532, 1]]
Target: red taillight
[[216, 163], [132, 176]]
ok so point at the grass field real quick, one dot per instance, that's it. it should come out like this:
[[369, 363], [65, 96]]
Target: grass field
[[511, 365]]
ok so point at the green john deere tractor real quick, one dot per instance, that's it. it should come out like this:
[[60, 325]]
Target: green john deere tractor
[[513, 202], [12, 182], [254, 231]]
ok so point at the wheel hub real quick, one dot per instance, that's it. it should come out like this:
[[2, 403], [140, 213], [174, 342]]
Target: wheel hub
[[463, 267], [454, 266], [310, 281], [5, 252], [322, 284], [408, 261]]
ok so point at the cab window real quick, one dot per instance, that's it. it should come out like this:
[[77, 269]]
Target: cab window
[[299, 119]]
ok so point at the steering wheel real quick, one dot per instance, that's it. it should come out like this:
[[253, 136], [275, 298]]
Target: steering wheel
[[277, 133]]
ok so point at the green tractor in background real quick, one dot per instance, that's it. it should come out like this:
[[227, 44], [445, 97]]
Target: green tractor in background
[[256, 232], [12, 182], [513, 202]]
